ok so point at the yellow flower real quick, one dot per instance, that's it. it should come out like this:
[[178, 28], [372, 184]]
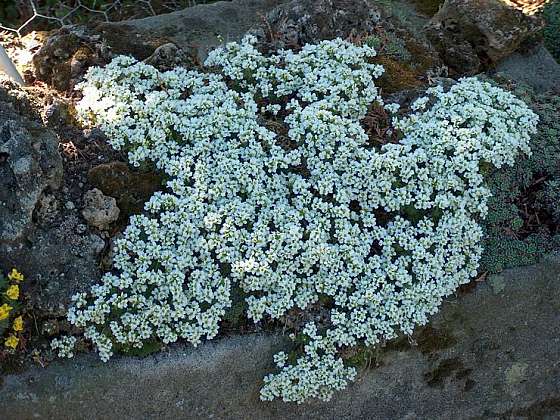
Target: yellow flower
[[13, 291], [18, 324], [15, 275], [5, 311], [12, 341]]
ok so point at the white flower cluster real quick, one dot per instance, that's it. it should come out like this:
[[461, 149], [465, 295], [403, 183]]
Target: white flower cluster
[[274, 185], [64, 346]]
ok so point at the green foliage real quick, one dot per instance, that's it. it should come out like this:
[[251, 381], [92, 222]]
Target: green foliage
[[364, 356], [235, 315], [551, 14], [524, 212], [396, 47], [391, 45]]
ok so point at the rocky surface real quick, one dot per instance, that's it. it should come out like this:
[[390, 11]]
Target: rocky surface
[[41, 231], [64, 56], [182, 37], [472, 34], [29, 164], [535, 68], [62, 258], [491, 353]]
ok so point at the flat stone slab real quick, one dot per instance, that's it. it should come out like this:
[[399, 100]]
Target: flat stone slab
[[202, 27], [490, 353], [535, 68]]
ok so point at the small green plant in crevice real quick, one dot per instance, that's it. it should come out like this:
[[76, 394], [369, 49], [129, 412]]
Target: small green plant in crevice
[[389, 44], [524, 210], [551, 14]]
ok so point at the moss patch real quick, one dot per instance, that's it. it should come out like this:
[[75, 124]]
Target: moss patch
[[431, 340], [428, 7], [406, 59], [398, 76]]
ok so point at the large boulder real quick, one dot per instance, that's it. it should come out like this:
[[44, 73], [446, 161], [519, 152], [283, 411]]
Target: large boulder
[[535, 67], [472, 34], [492, 353], [198, 29], [29, 163]]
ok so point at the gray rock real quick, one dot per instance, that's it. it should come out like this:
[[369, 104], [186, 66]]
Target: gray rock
[[52, 63], [58, 260], [35, 236], [47, 209], [64, 58], [29, 164], [482, 356], [99, 210], [535, 67]]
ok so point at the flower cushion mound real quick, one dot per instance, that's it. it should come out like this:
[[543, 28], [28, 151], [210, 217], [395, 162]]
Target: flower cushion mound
[[273, 185]]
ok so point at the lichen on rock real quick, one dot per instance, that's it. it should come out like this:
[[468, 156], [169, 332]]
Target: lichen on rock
[[471, 35], [100, 210]]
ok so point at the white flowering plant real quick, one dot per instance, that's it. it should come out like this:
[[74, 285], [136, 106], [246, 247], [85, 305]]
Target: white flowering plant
[[274, 186]]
